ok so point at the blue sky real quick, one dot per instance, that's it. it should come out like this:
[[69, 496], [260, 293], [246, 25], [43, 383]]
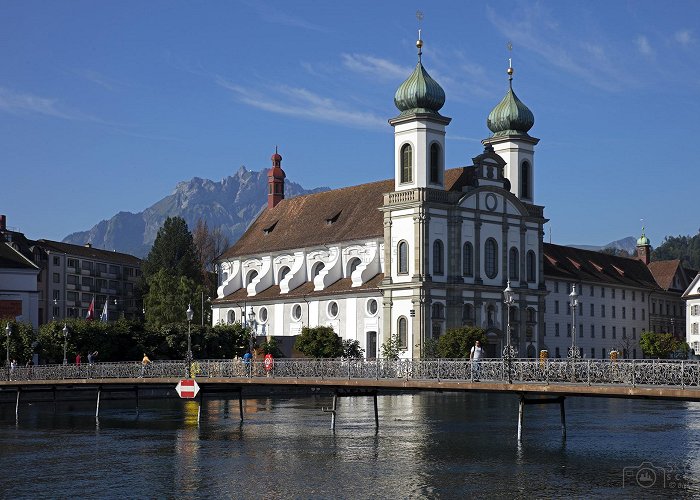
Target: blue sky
[[105, 106]]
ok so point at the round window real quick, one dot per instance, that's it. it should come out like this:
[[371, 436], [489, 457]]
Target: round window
[[372, 307], [231, 316], [263, 314], [296, 312], [333, 309]]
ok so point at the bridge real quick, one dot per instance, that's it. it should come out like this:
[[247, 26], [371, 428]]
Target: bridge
[[534, 381]]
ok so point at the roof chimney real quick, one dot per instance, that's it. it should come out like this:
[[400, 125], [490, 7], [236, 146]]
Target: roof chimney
[[3, 222], [88, 245]]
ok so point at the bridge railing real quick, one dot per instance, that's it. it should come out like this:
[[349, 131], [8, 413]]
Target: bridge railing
[[676, 373]]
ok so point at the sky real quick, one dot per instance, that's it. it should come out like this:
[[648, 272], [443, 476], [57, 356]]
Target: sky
[[106, 106]]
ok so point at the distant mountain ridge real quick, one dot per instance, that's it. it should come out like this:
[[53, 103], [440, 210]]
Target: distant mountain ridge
[[628, 244], [231, 204]]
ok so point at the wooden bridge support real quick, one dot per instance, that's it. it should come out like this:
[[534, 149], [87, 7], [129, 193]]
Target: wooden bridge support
[[521, 411], [338, 393], [19, 389]]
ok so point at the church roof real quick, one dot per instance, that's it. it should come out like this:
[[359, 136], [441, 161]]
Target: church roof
[[305, 290], [338, 215], [10, 258], [575, 264]]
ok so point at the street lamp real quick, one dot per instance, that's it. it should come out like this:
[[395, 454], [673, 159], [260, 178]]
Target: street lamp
[[508, 351], [190, 313], [65, 343], [8, 331], [253, 327], [574, 352]]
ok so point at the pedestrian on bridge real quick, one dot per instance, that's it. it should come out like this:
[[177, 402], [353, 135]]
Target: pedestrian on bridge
[[13, 365], [475, 355], [77, 360], [144, 363]]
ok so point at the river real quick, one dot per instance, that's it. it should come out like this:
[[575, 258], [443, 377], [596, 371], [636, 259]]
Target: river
[[429, 445]]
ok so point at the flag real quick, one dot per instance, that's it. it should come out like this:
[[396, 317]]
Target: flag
[[91, 310], [105, 314]]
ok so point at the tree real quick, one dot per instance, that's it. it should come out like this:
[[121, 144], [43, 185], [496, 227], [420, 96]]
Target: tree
[[174, 250], [352, 349], [209, 245], [391, 348], [21, 340], [658, 345], [271, 347], [168, 298], [319, 342], [457, 342], [685, 248]]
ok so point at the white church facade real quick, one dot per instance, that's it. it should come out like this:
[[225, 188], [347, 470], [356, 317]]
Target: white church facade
[[430, 249]]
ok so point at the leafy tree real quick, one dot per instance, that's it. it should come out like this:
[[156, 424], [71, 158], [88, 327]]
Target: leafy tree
[[430, 349], [21, 340], [174, 250], [457, 342], [209, 245], [319, 342], [658, 345], [685, 248], [168, 298], [391, 348], [352, 349], [271, 347]]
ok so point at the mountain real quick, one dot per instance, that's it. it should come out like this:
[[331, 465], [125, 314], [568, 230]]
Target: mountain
[[628, 244], [231, 204]]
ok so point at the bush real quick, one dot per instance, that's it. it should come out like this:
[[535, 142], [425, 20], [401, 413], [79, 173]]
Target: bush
[[319, 342], [457, 342]]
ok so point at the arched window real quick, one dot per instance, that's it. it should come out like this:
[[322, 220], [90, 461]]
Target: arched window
[[438, 311], [525, 184], [403, 257], [531, 315], [406, 163], [250, 277], [434, 164], [531, 266], [468, 314], [352, 265], [468, 259], [491, 258], [231, 317], [316, 270], [403, 332], [283, 272], [438, 258], [513, 263]]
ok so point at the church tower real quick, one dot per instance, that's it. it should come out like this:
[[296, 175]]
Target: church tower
[[419, 131], [644, 249], [275, 181], [510, 122]]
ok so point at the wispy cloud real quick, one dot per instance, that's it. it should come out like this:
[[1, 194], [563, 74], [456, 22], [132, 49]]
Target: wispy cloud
[[274, 15], [684, 37], [99, 79], [302, 103], [535, 30], [22, 103], [375, 67], [644, 46]]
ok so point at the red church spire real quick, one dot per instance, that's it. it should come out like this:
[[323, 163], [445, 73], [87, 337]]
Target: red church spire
[[275, 181]]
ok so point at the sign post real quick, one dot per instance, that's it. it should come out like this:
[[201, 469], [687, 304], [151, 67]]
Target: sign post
[[187, 389]]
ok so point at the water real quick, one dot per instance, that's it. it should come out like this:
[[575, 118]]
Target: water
[[428, 446]]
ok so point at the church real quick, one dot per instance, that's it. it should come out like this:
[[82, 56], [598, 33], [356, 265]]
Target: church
[[430, 249]]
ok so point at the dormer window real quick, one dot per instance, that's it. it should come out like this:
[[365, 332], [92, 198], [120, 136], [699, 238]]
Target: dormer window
[[331, 220], [270, 228]]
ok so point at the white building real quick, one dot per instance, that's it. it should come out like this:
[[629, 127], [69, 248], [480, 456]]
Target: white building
[[19, 297], [430, 249], [692, 318]]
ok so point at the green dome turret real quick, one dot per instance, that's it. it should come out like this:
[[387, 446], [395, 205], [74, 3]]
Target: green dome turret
[[510, 116], [419, 93], [643, 241]]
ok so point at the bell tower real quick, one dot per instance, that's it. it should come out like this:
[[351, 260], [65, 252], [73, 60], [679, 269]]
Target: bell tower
[[275, 181]]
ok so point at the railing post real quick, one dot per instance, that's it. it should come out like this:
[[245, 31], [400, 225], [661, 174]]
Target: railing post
[[546, 370], [588, 368], [438, 370], [682, 374], [634, 378]]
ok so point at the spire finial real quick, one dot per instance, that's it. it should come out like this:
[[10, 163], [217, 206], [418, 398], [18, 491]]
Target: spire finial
[[276, 149], [509, 46], [419, 43]]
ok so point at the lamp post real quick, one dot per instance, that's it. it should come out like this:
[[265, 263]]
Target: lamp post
[[253, 326], [188, 361], [508, 350], [65, 343], [574, 352], [8, 332]]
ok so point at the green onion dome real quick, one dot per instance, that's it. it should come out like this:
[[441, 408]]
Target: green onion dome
[[510, 116], [419, 93], [643, 240]]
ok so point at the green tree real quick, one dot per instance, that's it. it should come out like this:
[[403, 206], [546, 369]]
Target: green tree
[[658, 345], [457, 342], [685, 248], [174, 250], [352, 349], [319, 342], [168, 298], [21, 340], [391, 347], [271, 347]]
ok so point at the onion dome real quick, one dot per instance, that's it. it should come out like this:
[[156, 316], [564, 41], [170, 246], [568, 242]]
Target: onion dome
[[419, 93], [510, 116], [643, 240], [276, 158]]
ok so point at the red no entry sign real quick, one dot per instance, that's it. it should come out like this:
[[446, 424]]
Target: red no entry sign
[[187, 389]]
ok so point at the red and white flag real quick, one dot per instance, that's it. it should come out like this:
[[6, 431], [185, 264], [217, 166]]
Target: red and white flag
[[91, 310]]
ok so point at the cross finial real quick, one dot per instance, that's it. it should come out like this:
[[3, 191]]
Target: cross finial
[[419, 43], [509, 46]]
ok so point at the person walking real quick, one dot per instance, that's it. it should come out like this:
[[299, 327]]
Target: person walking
[[475, 355], [144, 363], [13, 366], [77, 360]]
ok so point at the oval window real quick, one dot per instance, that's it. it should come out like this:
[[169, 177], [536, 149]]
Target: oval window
[[372, 307], [296, 312], [263, 314], [333, 309]]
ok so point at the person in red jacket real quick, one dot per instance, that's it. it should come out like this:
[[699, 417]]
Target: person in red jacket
[[77, 360]]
